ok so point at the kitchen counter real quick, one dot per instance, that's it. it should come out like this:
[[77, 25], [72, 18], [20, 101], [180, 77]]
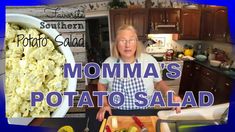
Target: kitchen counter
[[79, 124], [216, 69], [216, 114]]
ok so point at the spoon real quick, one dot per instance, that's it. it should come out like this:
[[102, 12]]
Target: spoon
[[87, 129]]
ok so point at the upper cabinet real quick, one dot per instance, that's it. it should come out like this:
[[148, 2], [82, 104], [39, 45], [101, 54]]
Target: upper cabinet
[[136, 17], [206, 23], [157, 17], [164, 20], [172, 16], [214, 24], [190, 25], [139, 19], [118, 17], [220, 24]]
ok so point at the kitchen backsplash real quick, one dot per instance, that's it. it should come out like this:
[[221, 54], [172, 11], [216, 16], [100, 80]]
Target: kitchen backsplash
[[179, 45], [227, 47]]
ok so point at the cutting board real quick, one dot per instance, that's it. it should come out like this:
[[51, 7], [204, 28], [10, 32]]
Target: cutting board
[[127, 121]]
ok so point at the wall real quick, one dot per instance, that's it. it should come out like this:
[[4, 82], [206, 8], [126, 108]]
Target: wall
[[179, 45]]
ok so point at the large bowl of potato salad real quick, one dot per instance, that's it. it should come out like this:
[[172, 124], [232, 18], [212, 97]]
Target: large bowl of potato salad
[[34, 64]]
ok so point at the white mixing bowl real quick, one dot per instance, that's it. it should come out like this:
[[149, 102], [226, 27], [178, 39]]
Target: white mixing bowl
[[215, 63], [29, 21]]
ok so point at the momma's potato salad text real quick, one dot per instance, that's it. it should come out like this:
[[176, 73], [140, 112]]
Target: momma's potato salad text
[[29, 69]]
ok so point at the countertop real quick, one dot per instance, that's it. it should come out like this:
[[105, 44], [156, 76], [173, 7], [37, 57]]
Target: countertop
[[216, 69], [79, 124]]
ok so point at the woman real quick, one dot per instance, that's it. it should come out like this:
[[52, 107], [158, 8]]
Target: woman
[[127, 49]]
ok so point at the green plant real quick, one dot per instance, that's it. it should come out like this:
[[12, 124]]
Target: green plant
[[115, 4]]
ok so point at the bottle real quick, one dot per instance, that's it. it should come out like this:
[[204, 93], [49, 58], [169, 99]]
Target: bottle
[[211, 56], [199, 49], [206, 52]]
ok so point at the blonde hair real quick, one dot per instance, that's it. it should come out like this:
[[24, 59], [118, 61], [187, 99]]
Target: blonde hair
[[139, 48]]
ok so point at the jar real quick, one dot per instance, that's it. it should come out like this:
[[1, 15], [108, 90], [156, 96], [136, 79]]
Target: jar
[[188, 52]]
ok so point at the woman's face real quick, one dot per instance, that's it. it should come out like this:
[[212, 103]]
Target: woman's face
[[127, 43]]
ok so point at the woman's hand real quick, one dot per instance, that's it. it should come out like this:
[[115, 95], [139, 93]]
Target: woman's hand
[[101, 112], [165, 89], [177, 99]]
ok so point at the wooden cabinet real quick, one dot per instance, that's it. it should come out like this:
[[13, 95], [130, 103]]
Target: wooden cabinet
[[189, 79], [157, 16], [190, 24], [217, 84], [186, 78], [223, 89], [207, 81], [214, 24], [118, 17], [220, 24], [172, 16], [136, 17], [196, 77], [207, 24], [139, 19], [165, 20]]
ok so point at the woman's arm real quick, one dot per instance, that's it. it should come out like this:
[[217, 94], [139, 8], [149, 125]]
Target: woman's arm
[[103, 87], [106, 107], [164, 88]]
